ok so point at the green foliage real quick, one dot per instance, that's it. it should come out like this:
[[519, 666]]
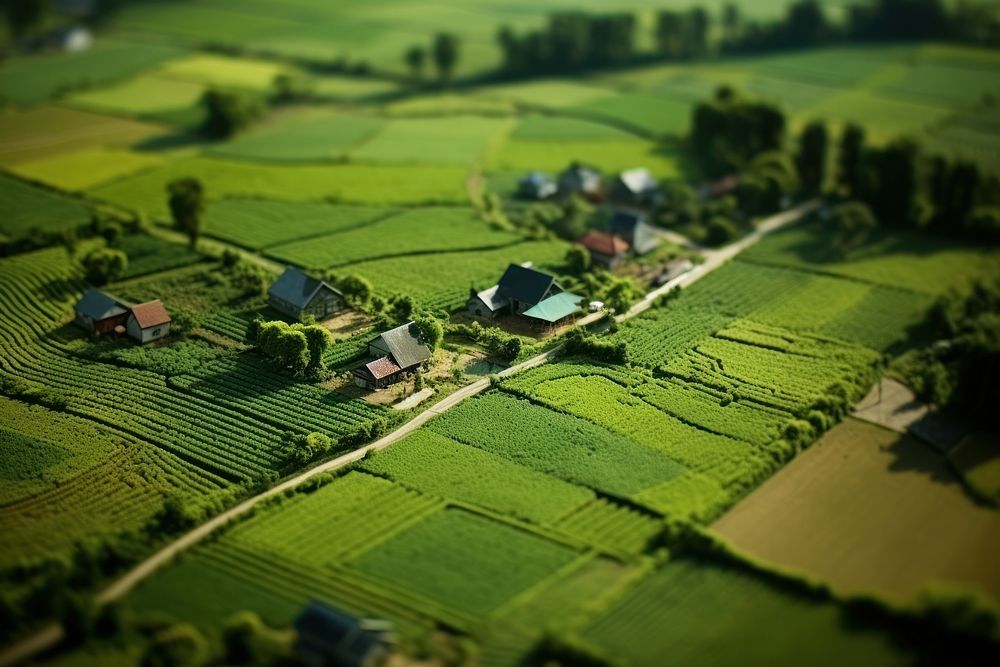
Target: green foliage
[[357, 291], [287, 345], [445, 51], [719, 231], [598, 349], [578, 260], [728, 132], [104, 265], [176, 646], [306, 448], [185, 198], [811, 159], [431, 330], [855, 223], [228, 112]]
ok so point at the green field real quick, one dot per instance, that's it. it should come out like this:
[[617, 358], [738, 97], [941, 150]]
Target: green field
[[87, 168], [460, 140], [303, 136], [144, 94], [24, 207]]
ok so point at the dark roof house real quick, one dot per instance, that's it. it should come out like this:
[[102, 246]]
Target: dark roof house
[[297, 294], [328, 636], [525, 285], [396, 352], [524, 291], [579, 179], [637, 186], [98, 312], [633, 228], [536, 185]]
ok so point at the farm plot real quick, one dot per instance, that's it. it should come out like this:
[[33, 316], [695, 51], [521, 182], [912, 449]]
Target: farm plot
[[462, 140], [646, 114], [905, 260], [261, 223], [556, 444], [555, 128], [881, 493], [150, 254], [441, 280], [79, 170], [546, 94], [438, 465], [464, 562], [360, 184], [24, 207], [144, 95], [31, 80], [51, 131], [225, 71], [704, 613], [337, 521], [308, 135], [413, 232], [608, 155]]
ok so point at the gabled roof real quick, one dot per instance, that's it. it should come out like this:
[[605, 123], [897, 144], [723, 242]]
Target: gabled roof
[[524, 284], [492, 300], [404, 345], [587, 178], [555, 307], [536, 178], [99, 305], [150, 314], [604, 243], [345, 635], [382, 367], [297, 288], [631, 227], [638, 180]]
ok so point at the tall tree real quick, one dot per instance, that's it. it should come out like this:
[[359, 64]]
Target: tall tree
[[227, 112], [812, 156], [731, 21], [670, 33], [416, 56], [850, 160], [445, 54], [185, 197], [696, 31]]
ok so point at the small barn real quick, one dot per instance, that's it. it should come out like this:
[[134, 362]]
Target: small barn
[[605, 249], [521, 291], [395, 354], [330, 637], [581, 180], [637, 187], [536, 186], [633, 228], [296, 294], [99, 313], [148, 321]]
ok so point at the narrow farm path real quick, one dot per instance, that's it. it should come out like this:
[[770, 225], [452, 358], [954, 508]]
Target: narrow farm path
[[51, 635]]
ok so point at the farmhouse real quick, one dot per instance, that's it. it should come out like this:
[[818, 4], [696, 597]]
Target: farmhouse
[[295, 294], [525, 291], [148, 321], [581, 180], [633, 228], [99, 313], [606, 249], [329, 636], [396, 353], [637, 187], [537, 186]]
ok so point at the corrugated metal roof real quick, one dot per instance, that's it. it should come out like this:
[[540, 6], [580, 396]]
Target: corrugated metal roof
[[99, 305], [382, 367], [524, 284], [555, 307], [297, 288], [150, 314], [404, 345]]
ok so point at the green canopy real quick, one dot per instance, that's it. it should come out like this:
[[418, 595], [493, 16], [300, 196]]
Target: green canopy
[[555, 307]]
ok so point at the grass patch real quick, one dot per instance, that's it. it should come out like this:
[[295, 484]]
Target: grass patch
[[24, 207], [447, 140], [87, 168], [304, 136]]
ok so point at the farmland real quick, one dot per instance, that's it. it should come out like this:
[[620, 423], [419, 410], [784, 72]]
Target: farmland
[[574, 499]]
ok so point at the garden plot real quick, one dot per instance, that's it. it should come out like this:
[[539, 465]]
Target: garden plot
[[225, 71], [143, 95], [461, 140], [24, 207], [303, 136], [80, 170]]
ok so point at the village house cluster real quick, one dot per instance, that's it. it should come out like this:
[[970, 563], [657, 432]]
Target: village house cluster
[[101, 314]]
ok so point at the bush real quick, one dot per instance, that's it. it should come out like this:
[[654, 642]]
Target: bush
[[720, 231], [610, 352], [104, 265], [176, 646]]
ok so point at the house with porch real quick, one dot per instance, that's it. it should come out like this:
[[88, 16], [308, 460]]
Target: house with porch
[[296, 294], [395, 354], [527, 292]]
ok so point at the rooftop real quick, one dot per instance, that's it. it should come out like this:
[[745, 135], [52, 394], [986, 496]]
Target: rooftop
[[150, 314], [99, 305], [604, 243], [404, 345], [555, 307], [524, 284], [297, 288]]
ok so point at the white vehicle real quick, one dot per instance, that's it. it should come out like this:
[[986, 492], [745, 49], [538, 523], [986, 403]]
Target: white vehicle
[[595, 306]]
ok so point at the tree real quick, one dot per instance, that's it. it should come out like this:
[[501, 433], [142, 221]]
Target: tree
[[854, 223], [578, 260], [430, 329], [812, 156], [573, 222], [445, 52], [318, 341], [185, 198], [23, 16], [400, 308], [290, 88], [104, 265], [356, 290], [416, 57], [227, 112], [805, 25], [176, 646], [850, 160], [731, 21], [621, 293], [720, 231], [238, 637], [895, 192]]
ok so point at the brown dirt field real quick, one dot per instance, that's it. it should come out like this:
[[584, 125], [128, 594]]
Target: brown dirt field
[[870, 510]]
